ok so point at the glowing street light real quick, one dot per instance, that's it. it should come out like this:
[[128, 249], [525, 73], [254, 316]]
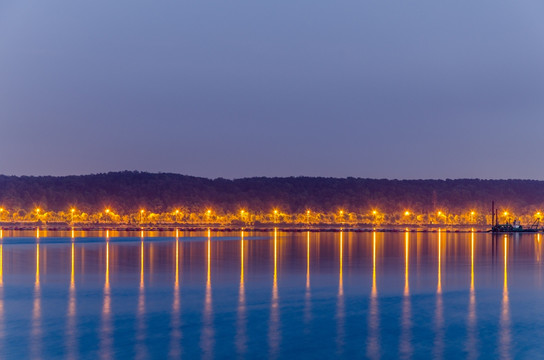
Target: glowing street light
[[308, 217], [141, 215], [275, 216], [472, 213], [406, 213], [242, 212], [38, 213], [176, 214], [72, 211], [208, 213]]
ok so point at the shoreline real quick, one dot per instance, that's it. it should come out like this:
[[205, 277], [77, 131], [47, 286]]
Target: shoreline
[[422, 228]]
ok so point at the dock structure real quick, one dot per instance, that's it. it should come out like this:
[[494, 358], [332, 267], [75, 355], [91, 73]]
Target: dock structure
[[515, 227]]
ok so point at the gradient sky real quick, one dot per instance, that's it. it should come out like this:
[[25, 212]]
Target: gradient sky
[[366, 88]]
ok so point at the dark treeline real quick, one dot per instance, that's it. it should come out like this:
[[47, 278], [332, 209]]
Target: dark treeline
[[129, 191]]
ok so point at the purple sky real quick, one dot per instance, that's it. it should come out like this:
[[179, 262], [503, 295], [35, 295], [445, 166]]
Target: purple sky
[[395, 89]]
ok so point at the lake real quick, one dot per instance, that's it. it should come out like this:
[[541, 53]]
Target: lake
[[271, 295]]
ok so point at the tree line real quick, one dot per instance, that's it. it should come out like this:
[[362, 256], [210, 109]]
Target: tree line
[[129, 191]]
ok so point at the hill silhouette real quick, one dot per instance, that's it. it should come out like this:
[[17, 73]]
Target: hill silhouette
[[128, 191]]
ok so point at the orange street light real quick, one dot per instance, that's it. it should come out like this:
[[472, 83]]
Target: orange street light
[[374, 212], [141, 215], [275, 216], [72, 211], [176, 214], [406, 213]]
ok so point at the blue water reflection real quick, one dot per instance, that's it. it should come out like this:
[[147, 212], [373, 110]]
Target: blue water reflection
[[209, 295]]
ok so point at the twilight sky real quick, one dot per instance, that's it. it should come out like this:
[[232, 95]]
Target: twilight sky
[[366, 88]]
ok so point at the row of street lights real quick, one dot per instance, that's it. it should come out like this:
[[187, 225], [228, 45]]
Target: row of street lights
[[244, 214]]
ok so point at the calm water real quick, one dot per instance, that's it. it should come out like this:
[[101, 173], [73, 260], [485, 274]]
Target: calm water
[[319, 295]]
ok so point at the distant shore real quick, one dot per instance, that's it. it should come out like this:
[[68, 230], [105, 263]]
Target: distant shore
[[32, 226]]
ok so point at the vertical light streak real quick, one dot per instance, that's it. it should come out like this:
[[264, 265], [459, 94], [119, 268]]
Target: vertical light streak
[[36, 309], [307, 297], [273, 331], [340, 310], [71, 315], [176, 283], [505, 338], [175, 334], [73, 234], [406, 336], [207, 337], [308, 261], [2, 326], [439, 312], [406, 263], [106, 333], [538, 249], [141, 349], [538, 255], [37, 233], [471, 321], [241, 337], [142, 263], [1, 265], [373, 343]]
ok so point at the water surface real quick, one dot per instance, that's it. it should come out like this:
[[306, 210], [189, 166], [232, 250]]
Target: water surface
[[271, 295]]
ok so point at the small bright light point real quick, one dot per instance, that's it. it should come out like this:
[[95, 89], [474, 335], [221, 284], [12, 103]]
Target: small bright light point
[[505, 213], [439, 213], [275, 211], [142, 211], [107, 211], [73, 210], [406, 213], [472, 213], [374, 212]]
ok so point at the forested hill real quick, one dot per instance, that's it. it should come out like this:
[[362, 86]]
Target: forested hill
[[128, 191]]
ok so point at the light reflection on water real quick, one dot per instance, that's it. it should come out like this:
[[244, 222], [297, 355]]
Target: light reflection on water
[[375, 295]]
